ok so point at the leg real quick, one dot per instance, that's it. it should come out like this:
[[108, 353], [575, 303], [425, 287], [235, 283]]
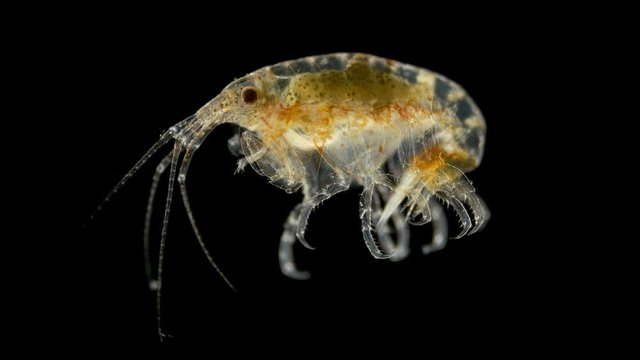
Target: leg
[[440, 228], [401, 243], [366, 200], [481, 213], [285, 252], [296, 223], [250, 159], [311, 201]]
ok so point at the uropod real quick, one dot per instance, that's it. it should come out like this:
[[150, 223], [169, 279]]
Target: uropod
[[323, 124]]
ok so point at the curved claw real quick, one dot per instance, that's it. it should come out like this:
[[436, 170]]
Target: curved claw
[[463, 215], [420, 217], [365, 215], [373, 245], [310, 202], [302, 225], [486, 212], [480, 212], [466, 194]]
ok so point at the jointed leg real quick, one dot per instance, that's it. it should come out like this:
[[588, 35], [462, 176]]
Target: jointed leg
[[285, 252], [366, 200], [310, 202], [296, 223], [440, 228], [400, 246]]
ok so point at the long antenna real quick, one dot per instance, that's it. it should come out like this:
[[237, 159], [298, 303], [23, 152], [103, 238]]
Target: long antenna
[[164, 139]]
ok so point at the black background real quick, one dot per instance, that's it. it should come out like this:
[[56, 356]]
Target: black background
[[130, 80]]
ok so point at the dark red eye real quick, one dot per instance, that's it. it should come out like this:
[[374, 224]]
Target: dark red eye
[[249, 95]]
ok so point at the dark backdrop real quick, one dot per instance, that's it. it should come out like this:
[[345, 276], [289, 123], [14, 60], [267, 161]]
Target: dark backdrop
[[130, 82]]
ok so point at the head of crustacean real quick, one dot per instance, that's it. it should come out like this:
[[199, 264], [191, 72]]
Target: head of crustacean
[[243, 102]]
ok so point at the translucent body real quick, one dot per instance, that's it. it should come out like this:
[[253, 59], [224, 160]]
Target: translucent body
[[406, 135]]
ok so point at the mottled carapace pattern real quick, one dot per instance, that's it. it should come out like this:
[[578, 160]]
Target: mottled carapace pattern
[[406, 135], [336, 104]]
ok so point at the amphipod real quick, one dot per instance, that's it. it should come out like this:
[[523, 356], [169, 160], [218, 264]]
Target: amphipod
[[325, 123]]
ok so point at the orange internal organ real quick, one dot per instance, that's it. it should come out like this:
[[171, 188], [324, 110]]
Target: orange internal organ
[[437, 167]]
